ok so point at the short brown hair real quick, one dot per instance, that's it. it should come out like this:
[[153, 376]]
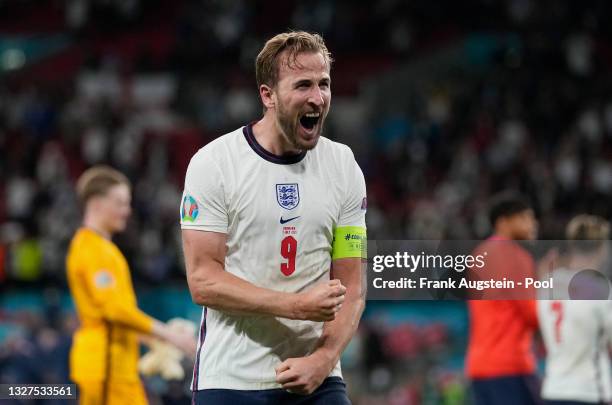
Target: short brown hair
[[97, 180], [584, 228], [295, 42]]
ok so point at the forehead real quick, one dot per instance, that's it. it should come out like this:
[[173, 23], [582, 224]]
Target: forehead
[[308, 65], [120, 190]]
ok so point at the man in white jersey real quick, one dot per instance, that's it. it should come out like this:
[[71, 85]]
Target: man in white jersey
[[577, 325], [273, 224]]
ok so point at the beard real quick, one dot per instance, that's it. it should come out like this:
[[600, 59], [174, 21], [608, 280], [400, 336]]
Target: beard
[[290, 126]]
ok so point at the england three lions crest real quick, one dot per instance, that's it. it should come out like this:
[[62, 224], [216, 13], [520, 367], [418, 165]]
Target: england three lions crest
[[288, 195]]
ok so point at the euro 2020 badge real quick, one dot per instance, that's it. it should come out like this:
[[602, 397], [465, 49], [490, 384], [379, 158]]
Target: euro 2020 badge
[[288, 195], [190, 209]]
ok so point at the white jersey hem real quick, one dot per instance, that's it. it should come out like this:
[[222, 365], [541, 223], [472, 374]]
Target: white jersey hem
[[206, 228], [230, 383]]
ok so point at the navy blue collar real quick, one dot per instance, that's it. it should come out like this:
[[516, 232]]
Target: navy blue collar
[[270, 157]]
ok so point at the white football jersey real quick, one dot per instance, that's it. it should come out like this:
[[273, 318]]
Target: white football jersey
[[576, 334], [279, 214]]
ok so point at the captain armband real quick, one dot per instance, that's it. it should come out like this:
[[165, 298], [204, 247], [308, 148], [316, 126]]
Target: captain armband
[[350, 241]]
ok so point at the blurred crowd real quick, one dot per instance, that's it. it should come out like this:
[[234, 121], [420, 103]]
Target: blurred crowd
[[537, 117], [142, 85], [530, 109]]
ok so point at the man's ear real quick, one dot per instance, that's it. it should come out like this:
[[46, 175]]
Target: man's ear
[[267, 96]]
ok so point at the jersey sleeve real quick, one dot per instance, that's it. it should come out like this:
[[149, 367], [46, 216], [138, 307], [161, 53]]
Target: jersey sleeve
[[355, 201], [102, 286], [203, 206]]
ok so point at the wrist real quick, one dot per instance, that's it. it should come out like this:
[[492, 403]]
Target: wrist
[[160, 330], [325, 357], [295, 303]]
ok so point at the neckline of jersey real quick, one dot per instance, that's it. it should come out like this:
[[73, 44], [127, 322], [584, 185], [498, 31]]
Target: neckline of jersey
[[93, 231], [270, 157]]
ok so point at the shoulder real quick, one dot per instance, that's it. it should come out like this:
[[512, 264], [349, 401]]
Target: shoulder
[[335, 149], [522, 252], [219, 147], [83, 247], [82, 238], [336, 157], [217, 154]]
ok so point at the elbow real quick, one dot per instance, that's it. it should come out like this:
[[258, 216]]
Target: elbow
[[202, 291], [357, 302], [361, 305], [358, 295], [200, 298]]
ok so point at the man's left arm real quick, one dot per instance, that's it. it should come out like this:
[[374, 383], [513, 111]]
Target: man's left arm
[[337, 333], [303, 375]]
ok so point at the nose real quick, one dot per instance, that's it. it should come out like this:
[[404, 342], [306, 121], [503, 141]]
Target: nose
[[316, 97]]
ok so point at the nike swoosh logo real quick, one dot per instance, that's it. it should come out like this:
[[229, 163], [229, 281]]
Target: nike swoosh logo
[[284, 221]]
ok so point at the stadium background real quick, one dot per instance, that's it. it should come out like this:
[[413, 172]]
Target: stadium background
[[443, 103]]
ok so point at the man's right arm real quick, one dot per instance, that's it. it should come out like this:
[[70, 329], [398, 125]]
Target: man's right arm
[[211, 286]]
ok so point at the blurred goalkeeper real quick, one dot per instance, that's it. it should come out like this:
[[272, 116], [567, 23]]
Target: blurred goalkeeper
[[105, 349]]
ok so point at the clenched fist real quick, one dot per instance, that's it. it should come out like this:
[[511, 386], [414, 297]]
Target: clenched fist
[[320, 303], [303, 375]]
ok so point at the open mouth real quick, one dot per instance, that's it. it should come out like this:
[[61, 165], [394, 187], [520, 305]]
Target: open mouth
[[309, 121]]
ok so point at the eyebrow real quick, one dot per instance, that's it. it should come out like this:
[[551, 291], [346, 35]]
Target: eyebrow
[[300, 82]]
